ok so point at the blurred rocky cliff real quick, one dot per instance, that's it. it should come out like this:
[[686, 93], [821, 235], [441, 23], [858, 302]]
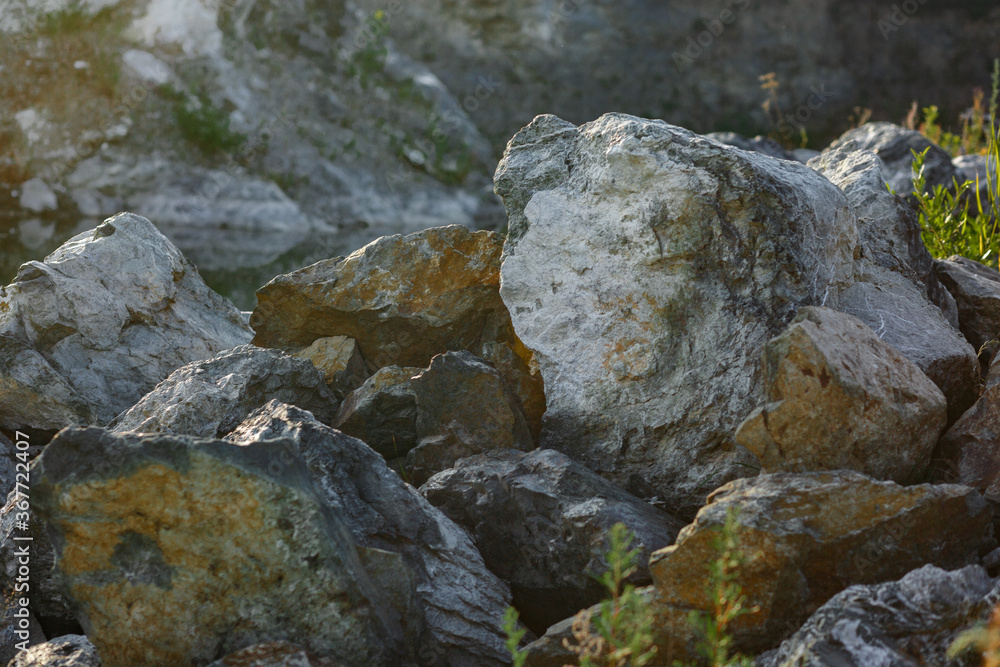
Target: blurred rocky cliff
[[263, 136]]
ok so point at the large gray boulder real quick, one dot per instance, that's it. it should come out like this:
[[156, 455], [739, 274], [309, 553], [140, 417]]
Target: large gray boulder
[[895, 290], [462, 600], [901, 623], [895, 146], [210, 398], [175, 550], [646, 267], [541, 522], [878, 414], [89, 331]]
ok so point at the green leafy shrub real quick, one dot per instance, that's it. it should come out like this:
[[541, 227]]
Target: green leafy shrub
[[728, 599], [950, 224], [370, 59], [621, 634], [204, 125]]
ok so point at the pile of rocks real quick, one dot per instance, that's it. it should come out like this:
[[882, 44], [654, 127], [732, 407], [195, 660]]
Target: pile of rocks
[[405, 441]]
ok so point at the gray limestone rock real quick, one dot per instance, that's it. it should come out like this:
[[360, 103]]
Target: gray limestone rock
[[88, 332], [895, 290], [175, 550], [541, 521], [462, 600], [902, 623], [210, 398], [976, 289], [646, 267], [893, 144]]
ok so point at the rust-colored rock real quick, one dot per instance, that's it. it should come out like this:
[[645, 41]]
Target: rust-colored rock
[[405, 299], [340, 360], [176, 550], [841, 398], [805, 538]]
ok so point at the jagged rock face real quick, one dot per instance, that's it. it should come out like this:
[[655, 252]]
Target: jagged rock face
[[383, 412], [8, 465], [108, 315], [807, 537], [404, 300], [976, 289], [462, 601], [464, 407], [65, 651], [880, 415], [177, 550], [273, 654], [341, 362], [541, 522], [907, 622], [48, 602], [893, 144], [646, 267], [967, 452], [210, 398], [895, 289]]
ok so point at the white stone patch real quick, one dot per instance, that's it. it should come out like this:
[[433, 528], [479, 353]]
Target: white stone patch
[[147, 67], [37, 196], [191, 25], [32, 125]]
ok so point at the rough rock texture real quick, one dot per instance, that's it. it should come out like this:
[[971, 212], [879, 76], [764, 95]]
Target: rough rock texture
[[901, 623], [8, 465], [383, 412], [210, 398], [541, 521], [880, 415], [47, 602], [976, 289], [895, 290], [341, 362], [65, 651], [893, 144], [969, 451], [109, 314], [758, 144], [404, 300], [462, 600], [178, 550], [646, 267], [807, 537], [464, 407], [273, 654], [16, 632]]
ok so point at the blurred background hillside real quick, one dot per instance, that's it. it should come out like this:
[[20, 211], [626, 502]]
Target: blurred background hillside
[[261, 136]]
